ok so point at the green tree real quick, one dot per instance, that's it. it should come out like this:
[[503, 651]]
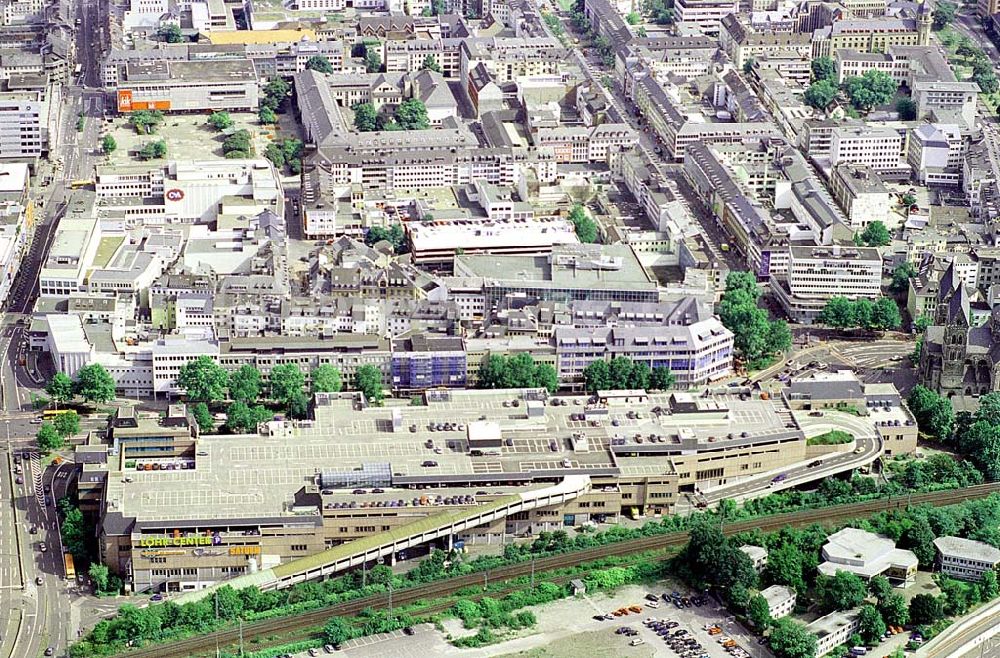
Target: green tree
[[790, 639], [99, 576], [779, 336], [145, 121], [893, 609], [430, 63], [67, 424], [633, 18], [876, 235], [48, 438], [864, 312], [908, 200], [586, 228], [944, 14], [242, 418], [286, 382], [662, 379], [245, 384], [202, 416], [870, 624], [879, 587], [925, 609], [73, 530], [597, 376], [921, 323], [823, 68], [988, 586], [886, 315], [373, 61], [239, 140], [320, 64], [820, 94], [266, 116], [153, 150], [171, 33], [784, 567], [326, 379], [220, 120], [203, 380], [546, 377], [275, 155], [933, 412], [842, 591], [393, 235], [759, 612], [919, 538], [901, 276], [338, 630], [411, 114], [907, 109], [60, 388], [748, 65], [365, 117], [838, 312], [368, 380], [298, 406], [275, 93], [108, 145], [872, 88], [755, 338], [94, 384]]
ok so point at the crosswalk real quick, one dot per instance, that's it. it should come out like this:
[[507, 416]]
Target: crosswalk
[[36, 477]]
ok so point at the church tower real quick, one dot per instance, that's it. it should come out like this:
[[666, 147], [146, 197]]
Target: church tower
[[924, 18]]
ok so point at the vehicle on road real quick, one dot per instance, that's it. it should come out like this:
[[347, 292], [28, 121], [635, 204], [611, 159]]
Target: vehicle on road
[[39, 581], [42, 547], [777, 479], [814, 463]]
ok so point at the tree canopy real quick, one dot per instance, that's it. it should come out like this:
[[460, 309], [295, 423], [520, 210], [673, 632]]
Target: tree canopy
[[220, 120], [94, 384], [586, 228], [517, 371], [756, 338], [245, 384], [60, 388], [368, 380], [365, 117], [203, 380], [320, 64], [875, 235], [326, 379], [286, 383], [823, 68], [790, 639], [933, 412], [411, 114], [872, 88], [820, 94]]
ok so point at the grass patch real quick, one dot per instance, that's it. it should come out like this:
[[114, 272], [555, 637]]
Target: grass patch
[[831, 438], [106, 250]]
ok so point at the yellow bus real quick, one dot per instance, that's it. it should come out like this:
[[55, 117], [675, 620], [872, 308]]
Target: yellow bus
[[70, 569], [49, 414], [77, 184]]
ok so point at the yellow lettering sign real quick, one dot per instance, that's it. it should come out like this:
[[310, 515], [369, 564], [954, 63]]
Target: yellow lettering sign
[[244, 550], [153, 542]]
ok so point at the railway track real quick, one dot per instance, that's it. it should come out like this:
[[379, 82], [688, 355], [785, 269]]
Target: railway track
[[312, 619]]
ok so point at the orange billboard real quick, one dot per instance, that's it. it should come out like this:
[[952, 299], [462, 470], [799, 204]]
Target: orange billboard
[[124, 100], [127, 104]]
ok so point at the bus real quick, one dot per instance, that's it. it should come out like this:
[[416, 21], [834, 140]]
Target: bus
[[70, 569], [78, 69], [77, 184], [49, 414]]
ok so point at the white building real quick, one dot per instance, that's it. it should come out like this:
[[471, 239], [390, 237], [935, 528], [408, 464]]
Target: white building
[[833, 630], [217, 84], [144, 14], [438, 240], [936, 152], [861, 193], [867, 555], [68, 343], [780, 600], [24, 124], [189, 191], [815, 274], [73, 248], [966, 559], [875, 146], [705, 15], [757, 555]]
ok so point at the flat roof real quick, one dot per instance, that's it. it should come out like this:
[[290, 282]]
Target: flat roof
[[237, 476]]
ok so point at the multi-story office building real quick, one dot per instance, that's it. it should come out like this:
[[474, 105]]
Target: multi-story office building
[[705, 15], [936, 152], [815, 274], [683, 336], [833, 630], [966, 559], [875, 146], [24, 125], [873, 35], [861, 193]]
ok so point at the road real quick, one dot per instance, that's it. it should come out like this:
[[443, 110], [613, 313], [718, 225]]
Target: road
[[976, 636]]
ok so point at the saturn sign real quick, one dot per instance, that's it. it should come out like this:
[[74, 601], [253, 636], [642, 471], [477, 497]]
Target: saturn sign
[[175, 194]]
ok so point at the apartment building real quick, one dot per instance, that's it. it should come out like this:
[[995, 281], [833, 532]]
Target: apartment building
[[180, 86], [941, 100], [966, 559], [877, 147], [833, 630], [743, 43], [573, 144], [815, 274], [780, 600]]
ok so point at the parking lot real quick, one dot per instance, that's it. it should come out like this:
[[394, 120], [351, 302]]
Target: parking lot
[[569, 629]]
